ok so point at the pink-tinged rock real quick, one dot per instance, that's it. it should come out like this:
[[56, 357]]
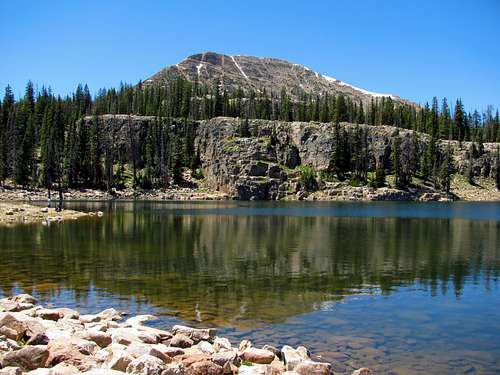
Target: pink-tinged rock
[[102, 339], [24, 298], [88, 318], [109, 314], [222, 343], [158, 354], [146, 365], [49, 314], [27, 358], [68, 313], [172, 351], [204, 367], [260, 356], [64, 369], [22, 324], [65, 351], [9, 332], [181, 341], [10, 371], [313, 368], [8, 305], [188, 359], [228, 356], [363, 371], [196, 334], [119, 361]]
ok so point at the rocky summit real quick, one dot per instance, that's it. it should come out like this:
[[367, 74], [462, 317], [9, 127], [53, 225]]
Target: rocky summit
[[248, 72], [61, 341]]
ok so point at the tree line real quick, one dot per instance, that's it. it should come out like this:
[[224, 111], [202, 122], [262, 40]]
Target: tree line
[[44, 140]]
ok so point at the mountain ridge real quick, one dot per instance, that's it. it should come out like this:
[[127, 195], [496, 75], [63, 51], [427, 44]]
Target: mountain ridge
[[232, 72]]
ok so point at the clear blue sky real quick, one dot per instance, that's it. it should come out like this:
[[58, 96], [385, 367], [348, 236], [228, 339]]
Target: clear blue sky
[[414, 49]]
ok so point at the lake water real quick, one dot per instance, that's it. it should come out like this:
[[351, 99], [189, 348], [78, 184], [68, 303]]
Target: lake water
[[402, 287]]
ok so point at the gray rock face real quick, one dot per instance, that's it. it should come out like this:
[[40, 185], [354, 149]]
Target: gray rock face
[[263, 167]]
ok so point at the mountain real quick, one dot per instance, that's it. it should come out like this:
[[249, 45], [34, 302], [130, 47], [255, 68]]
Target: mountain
[[248, 72]]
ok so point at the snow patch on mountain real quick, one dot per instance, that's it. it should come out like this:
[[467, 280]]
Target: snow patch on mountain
[[239, 68], [366, 92]]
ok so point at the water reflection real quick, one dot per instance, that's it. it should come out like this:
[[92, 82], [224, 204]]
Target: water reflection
[[225, 265]]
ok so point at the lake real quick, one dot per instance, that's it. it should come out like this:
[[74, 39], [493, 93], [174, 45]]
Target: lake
[[410, 288]]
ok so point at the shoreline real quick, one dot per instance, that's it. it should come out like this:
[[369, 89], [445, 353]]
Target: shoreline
[[60, 341], [481, 192]]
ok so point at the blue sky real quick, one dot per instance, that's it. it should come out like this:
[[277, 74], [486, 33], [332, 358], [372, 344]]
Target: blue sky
[[414, 49]]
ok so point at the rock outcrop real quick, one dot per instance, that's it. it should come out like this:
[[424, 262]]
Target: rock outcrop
[[265, 165]]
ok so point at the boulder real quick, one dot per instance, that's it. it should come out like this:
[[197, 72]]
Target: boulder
[[206, 347], [27, 358], [276, 351], [139, 320], [68, 313], [155, 352], [146, 365], [25, 326], [109, 314], [38, 339], [221, 343], [226, 356], [137, 349], [10, 371], [244, 344], [181, 341], [363, 371], [24, 298], [195, 334], [86, 347], [255, 355], [64, 369], [62, 350], [49, 314], [172, 351], [9, 332], [204, 367], [101, 371], [292, 357], [313, 368], [119, 361], [102, 339], [89, 318]]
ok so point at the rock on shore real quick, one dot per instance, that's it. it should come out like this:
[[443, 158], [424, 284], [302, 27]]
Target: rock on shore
[[38, 341], [11, 213]]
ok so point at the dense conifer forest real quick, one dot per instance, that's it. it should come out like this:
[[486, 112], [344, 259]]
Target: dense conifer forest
[[45, 143]]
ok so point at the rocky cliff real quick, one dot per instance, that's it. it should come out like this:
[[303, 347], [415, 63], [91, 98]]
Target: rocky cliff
[[266, 165]]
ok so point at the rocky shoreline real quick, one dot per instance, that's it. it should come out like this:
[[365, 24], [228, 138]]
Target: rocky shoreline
[[14, 212], [60, 341]]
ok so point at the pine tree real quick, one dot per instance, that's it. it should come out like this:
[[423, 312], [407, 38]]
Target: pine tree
[[244, 128], [459, 120], [445, 171], [497, 169]]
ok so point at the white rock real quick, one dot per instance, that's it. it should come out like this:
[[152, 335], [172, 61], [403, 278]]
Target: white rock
[[139, 320], [206, 347], [222, 343], [146, 365]]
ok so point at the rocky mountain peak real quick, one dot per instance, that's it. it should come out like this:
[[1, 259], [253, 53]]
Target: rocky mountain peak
[[248, 72]]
